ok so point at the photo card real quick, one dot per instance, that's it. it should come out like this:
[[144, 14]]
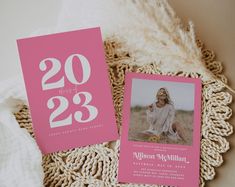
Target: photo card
[[160, 138]]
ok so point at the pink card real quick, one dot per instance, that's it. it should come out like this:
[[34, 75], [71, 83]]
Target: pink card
[[160, 139], [68, 89]]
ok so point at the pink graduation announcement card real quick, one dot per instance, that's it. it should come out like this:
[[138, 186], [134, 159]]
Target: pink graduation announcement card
[[160, 139], [68, 89]]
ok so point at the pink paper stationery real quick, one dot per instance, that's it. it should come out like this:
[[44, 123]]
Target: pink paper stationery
[[68, 89], [160, 139]]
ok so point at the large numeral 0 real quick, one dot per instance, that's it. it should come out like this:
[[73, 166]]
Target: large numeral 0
[[85, 69], [56, 66]]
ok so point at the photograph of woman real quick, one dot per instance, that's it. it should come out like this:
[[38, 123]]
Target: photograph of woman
[[161, 116], [161, 112]]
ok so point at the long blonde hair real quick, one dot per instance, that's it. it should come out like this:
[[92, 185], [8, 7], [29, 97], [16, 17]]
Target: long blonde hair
[[168, 98]]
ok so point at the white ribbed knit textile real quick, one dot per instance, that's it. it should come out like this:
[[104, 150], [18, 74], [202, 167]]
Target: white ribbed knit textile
[[20, 157]]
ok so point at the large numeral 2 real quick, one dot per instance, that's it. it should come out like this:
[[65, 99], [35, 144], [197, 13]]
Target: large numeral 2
[[63, 105], [56, 66]]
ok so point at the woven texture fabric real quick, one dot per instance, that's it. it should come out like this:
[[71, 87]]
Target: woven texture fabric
[[96, 165]]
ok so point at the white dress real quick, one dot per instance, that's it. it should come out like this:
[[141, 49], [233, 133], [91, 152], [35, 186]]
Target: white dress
[[160, 120]]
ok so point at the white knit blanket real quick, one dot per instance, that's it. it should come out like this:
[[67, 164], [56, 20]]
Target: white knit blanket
[[20, 157]]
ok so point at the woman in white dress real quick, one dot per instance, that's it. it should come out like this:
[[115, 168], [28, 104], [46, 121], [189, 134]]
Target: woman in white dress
[[160, 116]]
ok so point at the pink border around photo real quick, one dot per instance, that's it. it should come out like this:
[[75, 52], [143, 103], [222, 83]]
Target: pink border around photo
[[127, 163]]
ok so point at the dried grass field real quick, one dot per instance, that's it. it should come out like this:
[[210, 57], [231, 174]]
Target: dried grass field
[[138, 123]]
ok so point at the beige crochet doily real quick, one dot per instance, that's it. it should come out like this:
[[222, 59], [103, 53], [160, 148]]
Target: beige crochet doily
[[96, 165]]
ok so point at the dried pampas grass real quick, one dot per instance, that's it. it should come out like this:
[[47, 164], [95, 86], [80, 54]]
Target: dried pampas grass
[[157, 35], [150, 30]]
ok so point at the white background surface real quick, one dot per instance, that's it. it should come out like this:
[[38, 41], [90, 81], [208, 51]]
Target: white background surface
[[214, 21], [20, 19]]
